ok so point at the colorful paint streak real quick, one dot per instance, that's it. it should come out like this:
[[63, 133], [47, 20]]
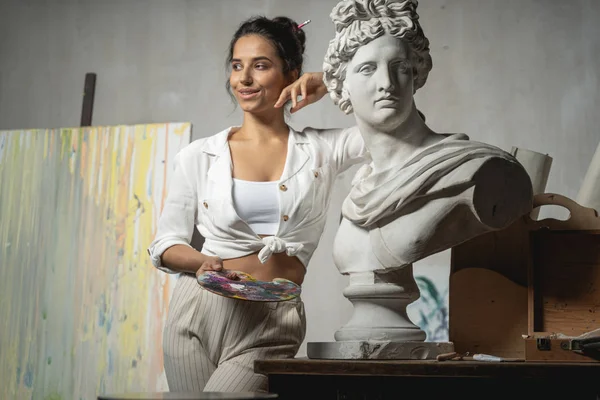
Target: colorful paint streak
[[82, 308]]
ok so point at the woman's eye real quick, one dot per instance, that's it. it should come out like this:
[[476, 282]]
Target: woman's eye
[[236, 67], [261, 66]]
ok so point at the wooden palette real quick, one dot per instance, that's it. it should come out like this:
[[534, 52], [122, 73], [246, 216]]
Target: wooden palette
[[248, 288]]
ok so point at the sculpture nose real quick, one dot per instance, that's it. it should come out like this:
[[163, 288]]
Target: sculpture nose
[[385, 80]]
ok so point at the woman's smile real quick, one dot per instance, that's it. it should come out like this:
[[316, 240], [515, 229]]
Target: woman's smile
[[248, 94]]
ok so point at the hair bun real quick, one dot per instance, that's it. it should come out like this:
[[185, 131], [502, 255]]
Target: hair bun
[[291, 25]]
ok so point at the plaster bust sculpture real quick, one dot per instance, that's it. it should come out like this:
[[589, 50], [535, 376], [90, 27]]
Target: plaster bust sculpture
[[424, 191]]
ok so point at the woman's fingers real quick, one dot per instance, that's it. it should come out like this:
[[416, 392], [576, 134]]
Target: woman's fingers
[[283, 97], [307, 87], [304, 90], [232, 275], [294, 95], [212, 264], [298, 105]]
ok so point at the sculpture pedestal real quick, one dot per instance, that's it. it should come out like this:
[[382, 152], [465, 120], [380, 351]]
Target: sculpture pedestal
[[380, 300], [380, 327]]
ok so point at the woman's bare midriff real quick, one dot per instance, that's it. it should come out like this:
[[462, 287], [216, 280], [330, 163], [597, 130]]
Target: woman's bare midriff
[[279, 265]]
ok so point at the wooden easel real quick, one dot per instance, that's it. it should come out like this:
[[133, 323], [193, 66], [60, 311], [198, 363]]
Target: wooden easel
[[87, 108]]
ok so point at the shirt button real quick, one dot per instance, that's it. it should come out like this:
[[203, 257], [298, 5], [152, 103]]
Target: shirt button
[[316, 174], [283, 188], [205, 204], [285, 217]]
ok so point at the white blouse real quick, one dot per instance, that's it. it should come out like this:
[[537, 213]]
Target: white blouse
[[200, 194]]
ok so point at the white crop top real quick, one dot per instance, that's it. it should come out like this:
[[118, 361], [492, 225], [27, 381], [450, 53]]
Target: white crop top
[[257, 203]]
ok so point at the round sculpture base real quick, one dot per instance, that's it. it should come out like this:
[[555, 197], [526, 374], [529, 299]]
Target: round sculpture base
[[377, 350], [379, 334], [380, 304]]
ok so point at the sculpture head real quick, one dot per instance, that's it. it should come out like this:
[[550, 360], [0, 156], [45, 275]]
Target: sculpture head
[[358, 23]]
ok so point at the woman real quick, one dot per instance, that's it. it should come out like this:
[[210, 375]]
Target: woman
[[258, 194]]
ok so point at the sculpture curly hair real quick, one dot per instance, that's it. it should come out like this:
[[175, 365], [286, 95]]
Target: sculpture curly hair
[[358, 22]]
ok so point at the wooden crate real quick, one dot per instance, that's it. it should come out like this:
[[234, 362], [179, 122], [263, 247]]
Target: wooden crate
[[564, 281], [534, 279]]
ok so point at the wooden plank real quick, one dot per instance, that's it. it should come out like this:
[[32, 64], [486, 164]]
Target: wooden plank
[[528, 369], [505, 251], [580, 218], [472, 312], [564, 270], [488, 313], [566, 281]]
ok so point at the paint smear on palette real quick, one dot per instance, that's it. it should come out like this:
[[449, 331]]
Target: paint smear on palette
[[248, 288]]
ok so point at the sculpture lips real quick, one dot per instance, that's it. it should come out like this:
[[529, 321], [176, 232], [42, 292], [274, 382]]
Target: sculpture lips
[[387, 98], [387, 101]]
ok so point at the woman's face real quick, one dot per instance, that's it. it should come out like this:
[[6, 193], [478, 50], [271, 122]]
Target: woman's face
[[257, 77], [379, 80]]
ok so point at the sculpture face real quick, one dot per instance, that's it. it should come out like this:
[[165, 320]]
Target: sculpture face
[[379, 80]]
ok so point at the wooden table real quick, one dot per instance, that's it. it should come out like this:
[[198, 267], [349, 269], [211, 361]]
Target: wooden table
[[187, 396], [303, 378]]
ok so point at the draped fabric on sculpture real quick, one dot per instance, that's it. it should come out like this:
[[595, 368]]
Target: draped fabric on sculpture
[[375, 196]]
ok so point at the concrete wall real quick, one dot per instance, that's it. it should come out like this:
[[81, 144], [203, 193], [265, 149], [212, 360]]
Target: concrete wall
[[509, 72]]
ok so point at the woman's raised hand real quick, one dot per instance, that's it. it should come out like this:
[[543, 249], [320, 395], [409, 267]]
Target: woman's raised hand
[[310, 86]]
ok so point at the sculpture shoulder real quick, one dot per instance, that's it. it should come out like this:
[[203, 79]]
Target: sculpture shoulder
[[502, 192], [500, 187], [475, 160]]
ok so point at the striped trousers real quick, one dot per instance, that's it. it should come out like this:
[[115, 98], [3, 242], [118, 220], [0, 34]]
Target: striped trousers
[[210, 342]]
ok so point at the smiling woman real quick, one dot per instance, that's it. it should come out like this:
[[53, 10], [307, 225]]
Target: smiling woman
[[258, 193], [264, 57]]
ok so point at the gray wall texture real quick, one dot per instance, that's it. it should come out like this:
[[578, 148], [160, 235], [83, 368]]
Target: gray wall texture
[[519, 73]]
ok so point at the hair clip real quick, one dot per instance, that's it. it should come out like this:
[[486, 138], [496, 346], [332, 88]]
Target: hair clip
[[304, 23]]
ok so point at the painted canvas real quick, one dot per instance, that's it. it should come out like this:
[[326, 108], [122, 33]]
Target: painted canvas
[[82, 308]]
